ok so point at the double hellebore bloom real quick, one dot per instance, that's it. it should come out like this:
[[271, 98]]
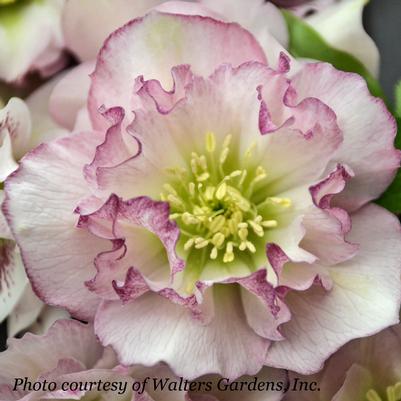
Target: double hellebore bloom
[[215, 217]]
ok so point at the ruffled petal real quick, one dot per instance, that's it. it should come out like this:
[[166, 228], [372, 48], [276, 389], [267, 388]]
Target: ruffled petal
[[368, 128], [168, 40], [46, 230], [365, 286], [178, 335], [144, 239]]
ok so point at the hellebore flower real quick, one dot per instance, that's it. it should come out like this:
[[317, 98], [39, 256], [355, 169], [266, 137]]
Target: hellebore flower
[[30, 38], [367, 369], [214, 223], [23, 126]]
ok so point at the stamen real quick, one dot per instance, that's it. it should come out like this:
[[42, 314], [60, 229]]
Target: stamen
[[201, 243], [188, 244], [269, 223], [217, 224], [218, 240], [258, 229], [249, 151], [229, 255], [210, 142], [285, 202], [372, 395], [221, 191]]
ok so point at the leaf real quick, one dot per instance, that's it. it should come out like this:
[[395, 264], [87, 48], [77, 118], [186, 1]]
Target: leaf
[[397, 110], [305, 42]]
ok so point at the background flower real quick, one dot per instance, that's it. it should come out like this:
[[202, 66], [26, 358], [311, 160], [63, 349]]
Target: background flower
[[30, 38], [367, 369], [23, 125]]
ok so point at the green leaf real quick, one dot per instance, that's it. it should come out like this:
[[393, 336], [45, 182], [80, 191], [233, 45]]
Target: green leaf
[[397, 110], [391, 199], [305, 42]]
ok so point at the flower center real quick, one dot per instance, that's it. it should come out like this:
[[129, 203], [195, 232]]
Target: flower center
[[393, 393], [216, 204]]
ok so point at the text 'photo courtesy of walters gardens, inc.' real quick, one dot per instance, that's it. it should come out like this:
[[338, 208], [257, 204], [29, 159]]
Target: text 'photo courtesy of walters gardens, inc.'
[[121, 387]]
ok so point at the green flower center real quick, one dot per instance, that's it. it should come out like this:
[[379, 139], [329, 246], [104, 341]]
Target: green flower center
[[393, 393], [218, 206]]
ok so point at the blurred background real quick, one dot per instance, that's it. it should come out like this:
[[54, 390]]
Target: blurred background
[[382, 21]]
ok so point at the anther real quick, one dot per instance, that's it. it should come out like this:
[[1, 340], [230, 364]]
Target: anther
[[221, 191], [201, 243], [189, 244], [258, 229], [217, 224], [269, 223], [210, 142], [218, 239], [214, 253]]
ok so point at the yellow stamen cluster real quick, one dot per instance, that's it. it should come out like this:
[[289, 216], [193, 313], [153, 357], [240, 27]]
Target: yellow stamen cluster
[[393, 393], [213, 207]]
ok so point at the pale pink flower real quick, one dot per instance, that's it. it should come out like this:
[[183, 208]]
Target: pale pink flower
[[368, 369], [213, 224]]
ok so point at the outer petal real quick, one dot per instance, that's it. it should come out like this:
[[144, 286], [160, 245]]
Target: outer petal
[[44, 223], [25, 312], [158, 42], [30, 37], [258, 17], [340, 24], [12, 277], [167, 332], [367, 126], [70, 95], [86, 25], [15, 128], [43, 128], [365, 286]]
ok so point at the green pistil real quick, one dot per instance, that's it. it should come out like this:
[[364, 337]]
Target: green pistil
[[213, 204], [393, 393]]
